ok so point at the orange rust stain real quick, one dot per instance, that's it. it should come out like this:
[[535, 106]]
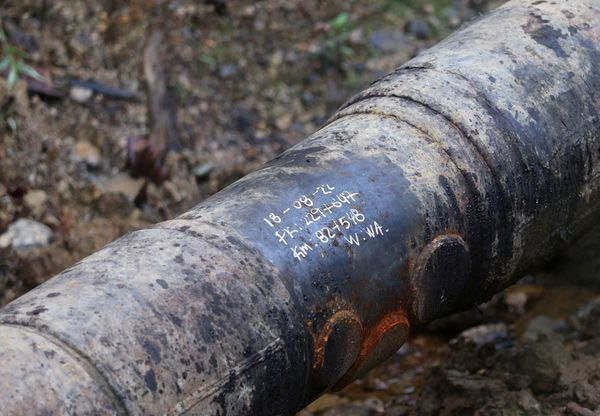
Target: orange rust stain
[[385, 324], [321, 341], [370, 341]]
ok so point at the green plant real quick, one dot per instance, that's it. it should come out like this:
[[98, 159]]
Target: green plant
[[340, 22], [13, 60], [7, 114], [335, 47]]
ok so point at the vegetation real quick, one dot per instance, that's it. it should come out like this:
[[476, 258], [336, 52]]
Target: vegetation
[[13, 61]]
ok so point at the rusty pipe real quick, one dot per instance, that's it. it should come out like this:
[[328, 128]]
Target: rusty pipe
[[425, 194]]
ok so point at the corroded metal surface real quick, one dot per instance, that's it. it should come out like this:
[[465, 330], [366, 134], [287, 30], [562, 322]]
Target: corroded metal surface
[[425, 194]]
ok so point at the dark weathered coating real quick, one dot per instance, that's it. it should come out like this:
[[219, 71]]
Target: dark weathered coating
[[425, 194]]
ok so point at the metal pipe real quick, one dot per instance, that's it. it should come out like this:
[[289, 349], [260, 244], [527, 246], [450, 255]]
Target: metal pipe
[[425, 194]]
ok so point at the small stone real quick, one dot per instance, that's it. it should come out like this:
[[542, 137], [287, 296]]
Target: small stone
[[125, 185], [375, 383], [586, 319], [454, 22], [577, 410], [35, 200], [86, 152], [276, 59], [516, 302], [485, 334], [173, 191], [387, 41], [418, 28], [356, 37], [428, 8], [283, 122], [227, 71], [249, 10], [80, 94], [202, 170], [119, 194], [517, 297], [528, 403], [25, 235], [307, 98], [542, 324], [541, 363]]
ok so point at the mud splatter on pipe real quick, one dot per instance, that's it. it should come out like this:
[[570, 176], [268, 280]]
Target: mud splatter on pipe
[[425, 194]]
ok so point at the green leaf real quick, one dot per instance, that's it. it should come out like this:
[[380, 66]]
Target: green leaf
[[27, 70], [4, 64], [14, 51], [13, 76], [12, 123], [346, 51], [208, 60], [340, 21]]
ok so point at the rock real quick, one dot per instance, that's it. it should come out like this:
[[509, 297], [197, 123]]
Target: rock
[[429, 8], [80, 94], [173, 191], [125, 185], [454, 22], [528, 403], [35, 200], [517, 297], [375, 383], [586, 319], [25, 235], [516, 301], [542, 324], [541, 363], [356, 37], [249, 10], [577, 410], [591, 347], [228, 70], [307, 98], [119, 194], [202, 170], [283, 122], [486, 334], [80, 42], [418, 28], [387, 41], [86, 152]]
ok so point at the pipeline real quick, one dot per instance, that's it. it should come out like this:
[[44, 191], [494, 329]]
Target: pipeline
[[425, 194]]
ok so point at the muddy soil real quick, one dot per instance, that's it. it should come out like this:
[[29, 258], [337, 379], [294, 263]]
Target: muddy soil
[[244, 81]]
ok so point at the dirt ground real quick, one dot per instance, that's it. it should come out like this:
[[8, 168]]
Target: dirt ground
[[242, 82]]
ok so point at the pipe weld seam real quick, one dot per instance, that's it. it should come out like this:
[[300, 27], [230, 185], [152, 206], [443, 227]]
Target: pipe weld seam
[[81, 358], [243, 366], [426, 134]]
